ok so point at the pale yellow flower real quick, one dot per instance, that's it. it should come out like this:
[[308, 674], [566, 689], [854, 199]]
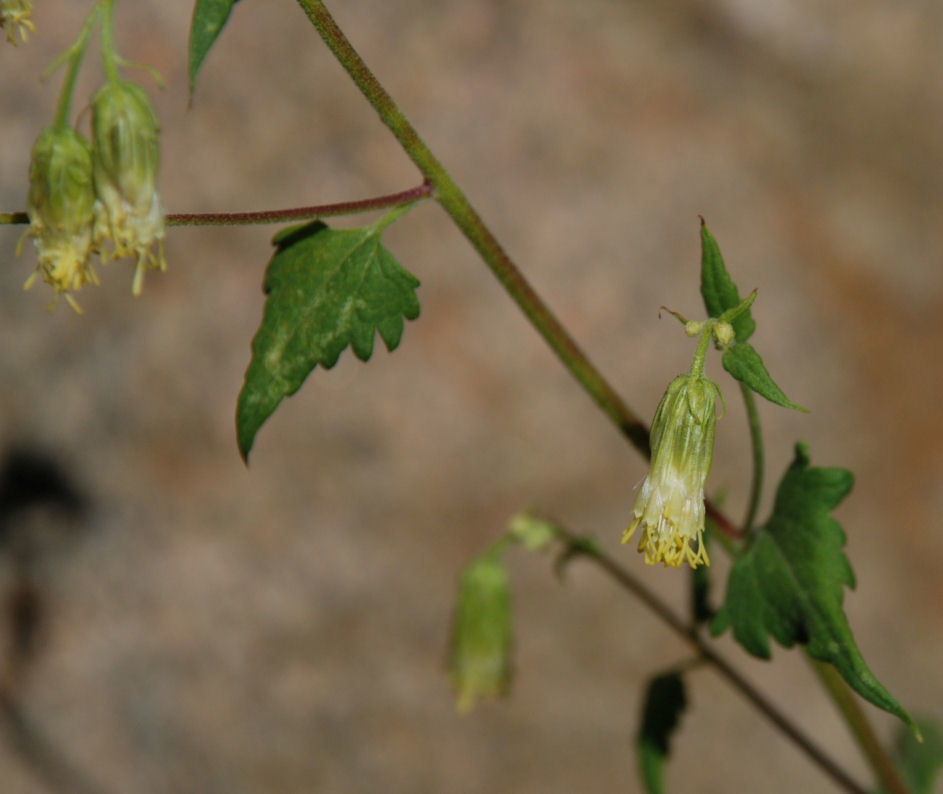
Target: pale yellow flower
[[669, 507], [61, 211], [126, 157]]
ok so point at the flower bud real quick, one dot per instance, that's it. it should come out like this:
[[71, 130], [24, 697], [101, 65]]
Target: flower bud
[[724, 333], [670, 505], [15, 17], [61, 209], [480, 646], [126, 159]]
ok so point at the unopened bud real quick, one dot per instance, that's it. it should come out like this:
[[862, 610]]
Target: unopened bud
[[724, 333], [126, 160], [693, 327], [480, 646]]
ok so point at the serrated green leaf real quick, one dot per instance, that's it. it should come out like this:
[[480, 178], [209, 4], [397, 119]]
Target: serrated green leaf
[[745, 364], [326, 289], [209, 18], [919, 763], [665, 701], [789, 583], [717, 288]]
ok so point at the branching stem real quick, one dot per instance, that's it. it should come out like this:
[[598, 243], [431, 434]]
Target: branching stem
[[627, 581]]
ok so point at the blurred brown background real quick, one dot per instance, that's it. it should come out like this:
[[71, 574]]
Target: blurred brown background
[[211, 629]]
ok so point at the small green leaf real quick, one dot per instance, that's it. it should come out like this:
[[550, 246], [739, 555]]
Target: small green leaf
[[209, 17], [717, 288], [665, 701], [919, 762], [745, 364], [326, 289], [789, 583]]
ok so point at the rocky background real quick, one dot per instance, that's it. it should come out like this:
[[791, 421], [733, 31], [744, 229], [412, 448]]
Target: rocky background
[[178, 623]]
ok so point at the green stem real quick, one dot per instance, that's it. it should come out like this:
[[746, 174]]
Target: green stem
[[455, 203], [700, 353], [402, 198], [74, 56], [849, 706], [756, 441], [109, 54], [627, 581]]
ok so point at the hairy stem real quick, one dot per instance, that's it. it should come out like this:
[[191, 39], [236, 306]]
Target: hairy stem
[[455, 203], [689, 633], [400, 199], [756, 442], [850, 708]]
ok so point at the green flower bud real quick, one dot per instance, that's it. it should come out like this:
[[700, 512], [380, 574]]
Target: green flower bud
[[61, 210], [480, 646], [670, 505], [724, 333], [15, 17], [126, 156]]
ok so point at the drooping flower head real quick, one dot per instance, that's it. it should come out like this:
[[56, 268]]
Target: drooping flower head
[[126, 156], [669, 507], [480, 644], [61, 210], [15, 17]]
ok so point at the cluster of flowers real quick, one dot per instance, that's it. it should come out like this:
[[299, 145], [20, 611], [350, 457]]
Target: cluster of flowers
[[83, 195], [15, 17]]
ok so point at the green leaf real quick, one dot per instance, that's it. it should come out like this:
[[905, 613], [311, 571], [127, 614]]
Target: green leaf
[[919, 762], [745, 364], [717, 288], [664, 703], [209, 17], [326, 289], [789, 583]]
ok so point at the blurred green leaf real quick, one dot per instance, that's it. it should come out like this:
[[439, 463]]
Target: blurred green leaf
[[326, 289], [789, 583], [665, 701]]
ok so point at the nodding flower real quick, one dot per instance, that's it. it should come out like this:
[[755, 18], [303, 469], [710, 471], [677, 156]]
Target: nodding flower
[[126, 156], [669, 507], [61, 210]]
